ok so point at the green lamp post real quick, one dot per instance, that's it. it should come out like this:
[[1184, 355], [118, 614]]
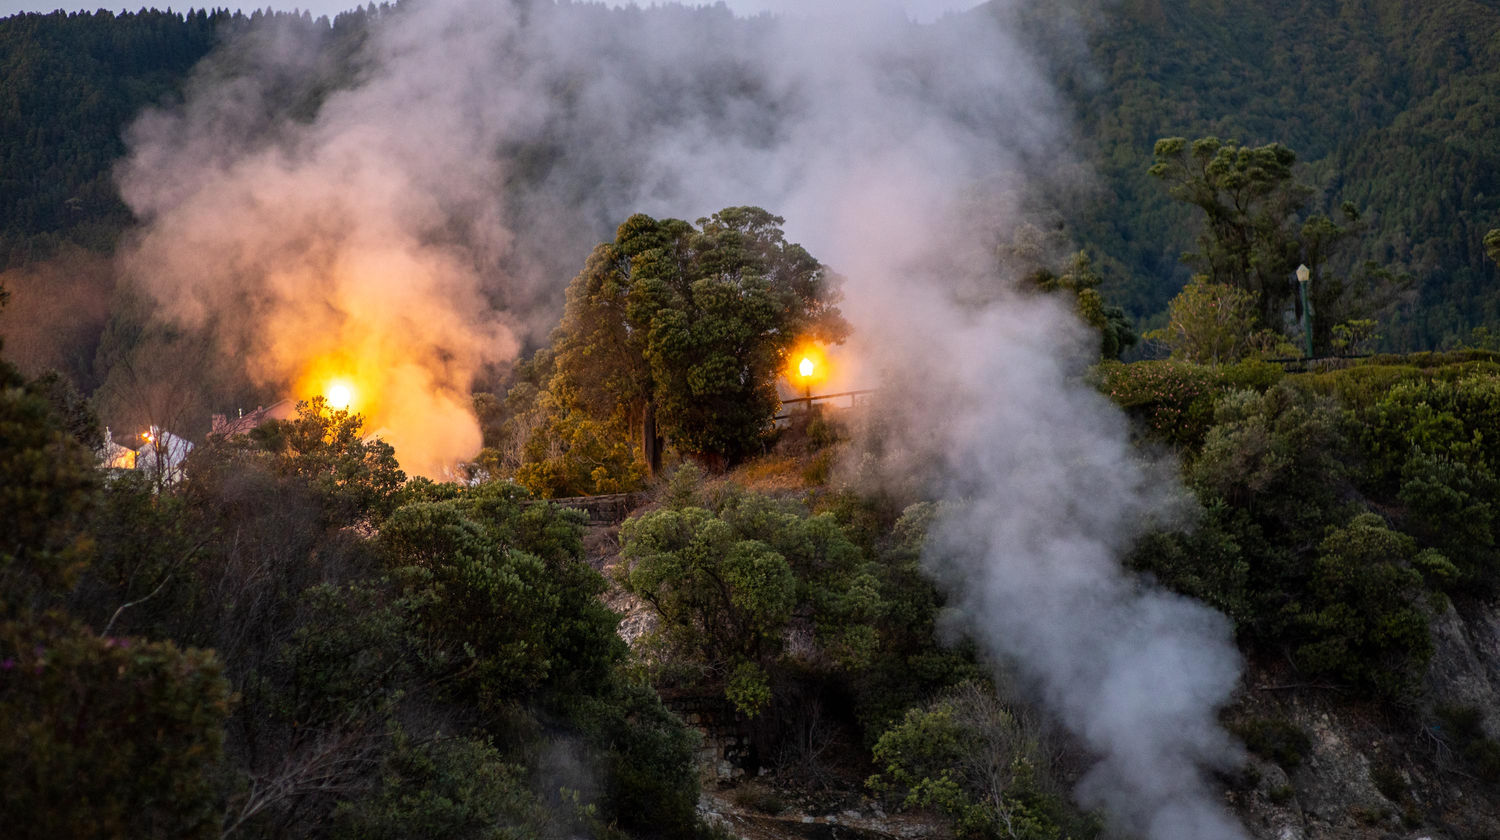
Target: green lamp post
[[1304, 276]]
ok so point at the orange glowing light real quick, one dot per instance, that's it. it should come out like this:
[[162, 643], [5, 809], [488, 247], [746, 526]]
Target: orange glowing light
[[339, 394], [807, 365], [341, 382]]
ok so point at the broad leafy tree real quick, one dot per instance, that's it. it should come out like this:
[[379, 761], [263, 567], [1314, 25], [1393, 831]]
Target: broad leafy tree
[[1257, 232], [681, 330], [1215, 323], [728, 583], [1249, 198]]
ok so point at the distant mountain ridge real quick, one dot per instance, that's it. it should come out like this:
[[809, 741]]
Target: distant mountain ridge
[[1392, 104]]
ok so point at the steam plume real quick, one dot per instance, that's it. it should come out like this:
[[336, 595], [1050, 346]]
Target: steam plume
[[394, 223]]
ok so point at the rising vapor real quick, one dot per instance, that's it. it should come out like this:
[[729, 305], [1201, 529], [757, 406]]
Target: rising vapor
[[399, 230]]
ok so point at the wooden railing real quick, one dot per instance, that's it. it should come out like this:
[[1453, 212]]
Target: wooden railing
[[610, 509], [814, 398]]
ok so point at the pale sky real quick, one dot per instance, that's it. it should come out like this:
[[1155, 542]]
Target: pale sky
[[918, 9]]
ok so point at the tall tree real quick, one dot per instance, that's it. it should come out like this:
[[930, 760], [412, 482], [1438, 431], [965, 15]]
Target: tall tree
[[1256, 234], [1250, 200], [684, 330]]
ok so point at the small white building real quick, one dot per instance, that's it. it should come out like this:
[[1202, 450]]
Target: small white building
[[162, 455], [113, 456]]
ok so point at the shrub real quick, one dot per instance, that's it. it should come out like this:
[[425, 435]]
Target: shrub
[[1275, 739], [1207, 562], [974, 761], [1274, 455], [1173, 400], [1449, 505], [726, 584], [1363, 621], [448, 787], [107, 737]]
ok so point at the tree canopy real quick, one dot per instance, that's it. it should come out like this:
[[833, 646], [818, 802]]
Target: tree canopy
[[1256, 234], [683, 330]]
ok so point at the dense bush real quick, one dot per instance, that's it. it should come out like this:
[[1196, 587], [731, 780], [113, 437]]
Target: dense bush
[[727, 582], [1172, 399], [1364, 619], [404, 656], [978, 763], [107, 736], [1286, 544]]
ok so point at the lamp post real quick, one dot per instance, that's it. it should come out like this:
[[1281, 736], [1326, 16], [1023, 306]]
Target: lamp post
[[1304, 276], [805, 370]]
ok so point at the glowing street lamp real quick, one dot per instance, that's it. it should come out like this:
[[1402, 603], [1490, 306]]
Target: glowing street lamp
[[340, 395], [807, 371]]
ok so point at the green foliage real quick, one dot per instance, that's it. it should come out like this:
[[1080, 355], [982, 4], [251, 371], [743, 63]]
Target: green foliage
[[449, 787], [144, 548], [351, 654], [1208, 562], [1450, 505], [1431, 441], [1216, 323], [748, 688], [1172, 400], [1390, 107], [1276, 739], [502, 595], [1078, 278], [469, 610], [727, 583], [60, 149], [974, 761], [558, 442], [1355, 336], [1362, 385], [1249, 199], [1363, 620], [723, 599], [107, 737], [1254, 240], [691, 325], [912, 664], [324, 447], [650, 783], [77, 415], [48, 485], [1275, 455], [575, 455], [1272, 472]]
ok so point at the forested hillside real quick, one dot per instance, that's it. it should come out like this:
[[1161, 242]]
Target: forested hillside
[[1388, 104], [894, 540]]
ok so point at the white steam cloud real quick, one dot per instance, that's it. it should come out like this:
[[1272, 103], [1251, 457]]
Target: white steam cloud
[[423, 219], [1047, 496]]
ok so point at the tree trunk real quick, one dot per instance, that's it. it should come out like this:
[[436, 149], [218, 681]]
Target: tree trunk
[[650, 441]]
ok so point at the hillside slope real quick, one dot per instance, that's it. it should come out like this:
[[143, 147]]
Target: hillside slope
[[1390, 104]]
